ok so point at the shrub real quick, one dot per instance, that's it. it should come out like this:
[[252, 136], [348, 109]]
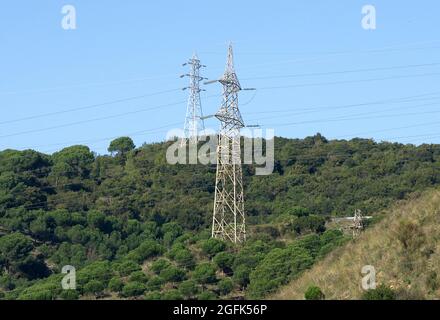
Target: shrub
[[314, 293], [172, 231], [382, 292], [300, 212], [115, 284], [188, 288], [207, 295], [155, 283], [69, 295], [149, 248], [41, 295], [212, 246], [184, 258], [277, 268], [138, 276], [127, 267], [172, 294], [94, 286], [132, 289], [205, 273], [225, 286], [432, 281], [410, 235], [305, 224], [154, 295], [159, 265], [224, 260], [269, 230], [172, 274], [241, 275]]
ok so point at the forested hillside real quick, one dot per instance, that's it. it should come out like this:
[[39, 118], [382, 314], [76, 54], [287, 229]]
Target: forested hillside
[[136, 227]]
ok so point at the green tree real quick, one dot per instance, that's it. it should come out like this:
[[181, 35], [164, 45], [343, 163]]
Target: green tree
[[121, 145], [184, 258], [188, 288], [277, 268], [172, 294], [204, 273], [133, 289], [160, 264], [225, 286], [241, 275], [172, 274], [155, 283], [95, 287], [127, 267], [115, 284], [171, 231], [224, 260], [71, 162], [206, 295], [213, 246], [15, 249], [153, 295], [138, 276]]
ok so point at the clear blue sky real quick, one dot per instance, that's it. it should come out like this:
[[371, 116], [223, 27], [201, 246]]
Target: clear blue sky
[[124, 49]]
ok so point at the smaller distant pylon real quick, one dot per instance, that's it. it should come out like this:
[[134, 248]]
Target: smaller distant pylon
[[194, 124], [358, 225]]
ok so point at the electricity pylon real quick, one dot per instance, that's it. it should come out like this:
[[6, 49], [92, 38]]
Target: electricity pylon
[[228, 222], [194, 123], [357, 223]]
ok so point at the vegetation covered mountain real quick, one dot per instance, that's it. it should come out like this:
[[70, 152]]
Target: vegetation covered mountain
[[134, 226], [404, 249]]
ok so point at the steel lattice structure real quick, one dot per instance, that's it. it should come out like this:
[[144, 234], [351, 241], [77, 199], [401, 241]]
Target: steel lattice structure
[[194, 123], [357, 223], [228, 221]]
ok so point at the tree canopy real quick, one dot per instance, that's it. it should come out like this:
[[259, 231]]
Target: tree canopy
[[135, 226]]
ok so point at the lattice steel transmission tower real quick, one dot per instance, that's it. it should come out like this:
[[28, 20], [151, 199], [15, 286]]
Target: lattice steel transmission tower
[[194, 123], [357, 223], [228, 221]]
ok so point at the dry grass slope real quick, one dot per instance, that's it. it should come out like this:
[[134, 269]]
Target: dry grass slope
[[404, 248]]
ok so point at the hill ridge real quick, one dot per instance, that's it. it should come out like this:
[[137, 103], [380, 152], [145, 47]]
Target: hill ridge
[[404, 248]]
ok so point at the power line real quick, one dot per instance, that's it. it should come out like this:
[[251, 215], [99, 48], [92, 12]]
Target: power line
[[321, 120], [347, 106], [38, 116], [94, 119], [358, 118], [349, 81], [86, 85], [92, 106], [151, 94], [353, 116], [344, 71]]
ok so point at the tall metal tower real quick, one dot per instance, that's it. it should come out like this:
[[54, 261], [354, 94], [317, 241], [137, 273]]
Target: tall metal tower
[[228, 221], [357, 223], [194, 118]]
